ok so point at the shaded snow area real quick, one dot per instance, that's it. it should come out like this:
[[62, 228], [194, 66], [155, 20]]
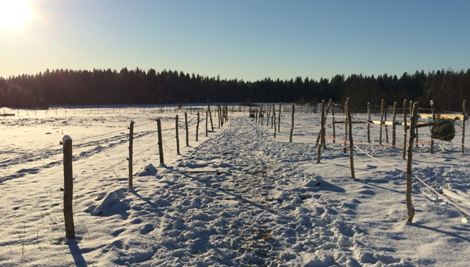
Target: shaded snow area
[[238, 197]]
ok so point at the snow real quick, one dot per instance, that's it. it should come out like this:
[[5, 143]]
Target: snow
[[238, 197]]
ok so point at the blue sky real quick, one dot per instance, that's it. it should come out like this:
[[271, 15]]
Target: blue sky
[[244, 39]]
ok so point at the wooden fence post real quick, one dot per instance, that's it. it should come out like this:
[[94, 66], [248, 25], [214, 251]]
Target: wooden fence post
[[322, 123], [187, 130], [131, 140], [385, 122], [206, 122], [197, 127], [368, 122], [431, 144], [160, 140], [279, 119], [68, 188], [325, 115], [463, 125], [322, 133], [381, 121], [333, 121], [218, 114], [345, 128], [394, 114], [409, 205], [292, 127], [177, 136], [404, 128], [210, 114], [351, 160], [274, 120]]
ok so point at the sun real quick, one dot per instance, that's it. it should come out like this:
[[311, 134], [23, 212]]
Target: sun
[[14, 13]]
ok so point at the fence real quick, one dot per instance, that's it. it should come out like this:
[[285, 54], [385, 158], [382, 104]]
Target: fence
[[259, 115], [270, 113]]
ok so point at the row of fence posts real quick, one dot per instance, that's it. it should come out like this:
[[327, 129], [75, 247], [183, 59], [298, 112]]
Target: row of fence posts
[[68, 158], [259, 114], [98, 110], [413, 129]]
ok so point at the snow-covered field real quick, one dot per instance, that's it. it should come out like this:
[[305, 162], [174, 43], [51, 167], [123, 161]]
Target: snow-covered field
[[238, 197]]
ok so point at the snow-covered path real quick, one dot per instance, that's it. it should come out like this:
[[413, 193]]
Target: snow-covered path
[[242, 199]]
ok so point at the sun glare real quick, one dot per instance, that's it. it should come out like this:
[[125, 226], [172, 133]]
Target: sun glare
[[14, 13]]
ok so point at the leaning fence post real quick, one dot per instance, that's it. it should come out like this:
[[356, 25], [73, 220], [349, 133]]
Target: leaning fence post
[[131, 139], [177, 136], [197, 127], [292, 127], [160, 140], [409, 205], [463, 125], [351, 160], [187, 130], [68, 188], [210, 114]]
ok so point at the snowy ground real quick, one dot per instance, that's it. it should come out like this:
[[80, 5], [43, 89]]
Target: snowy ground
[[238, 197]]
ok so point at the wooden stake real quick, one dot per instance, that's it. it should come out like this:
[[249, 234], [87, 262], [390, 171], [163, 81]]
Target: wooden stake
[[322, 122], [210, 114], [345, 128], [409, 205], [131, 140], [187, 130], [321, 135], [197, 127], [381, 121], [463, 125], [292, 124], [351, 160], [206, 122], [219, 114], [394, 114], [177, 137], [431, 144], [274, 120], [368, 122], [160, 140], [386, 128], [333, 121], [279, 119], [68, 188], [404, 128]]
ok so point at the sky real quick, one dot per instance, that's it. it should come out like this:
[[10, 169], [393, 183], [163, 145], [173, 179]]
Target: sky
[[242, 39]]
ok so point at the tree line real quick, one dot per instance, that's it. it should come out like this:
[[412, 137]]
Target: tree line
[[105, 87]]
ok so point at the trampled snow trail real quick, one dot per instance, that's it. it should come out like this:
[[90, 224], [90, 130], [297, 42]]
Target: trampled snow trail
[[240, 199]]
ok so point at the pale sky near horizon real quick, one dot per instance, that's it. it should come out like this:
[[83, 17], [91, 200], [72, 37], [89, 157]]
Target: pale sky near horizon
[[243, 39]]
